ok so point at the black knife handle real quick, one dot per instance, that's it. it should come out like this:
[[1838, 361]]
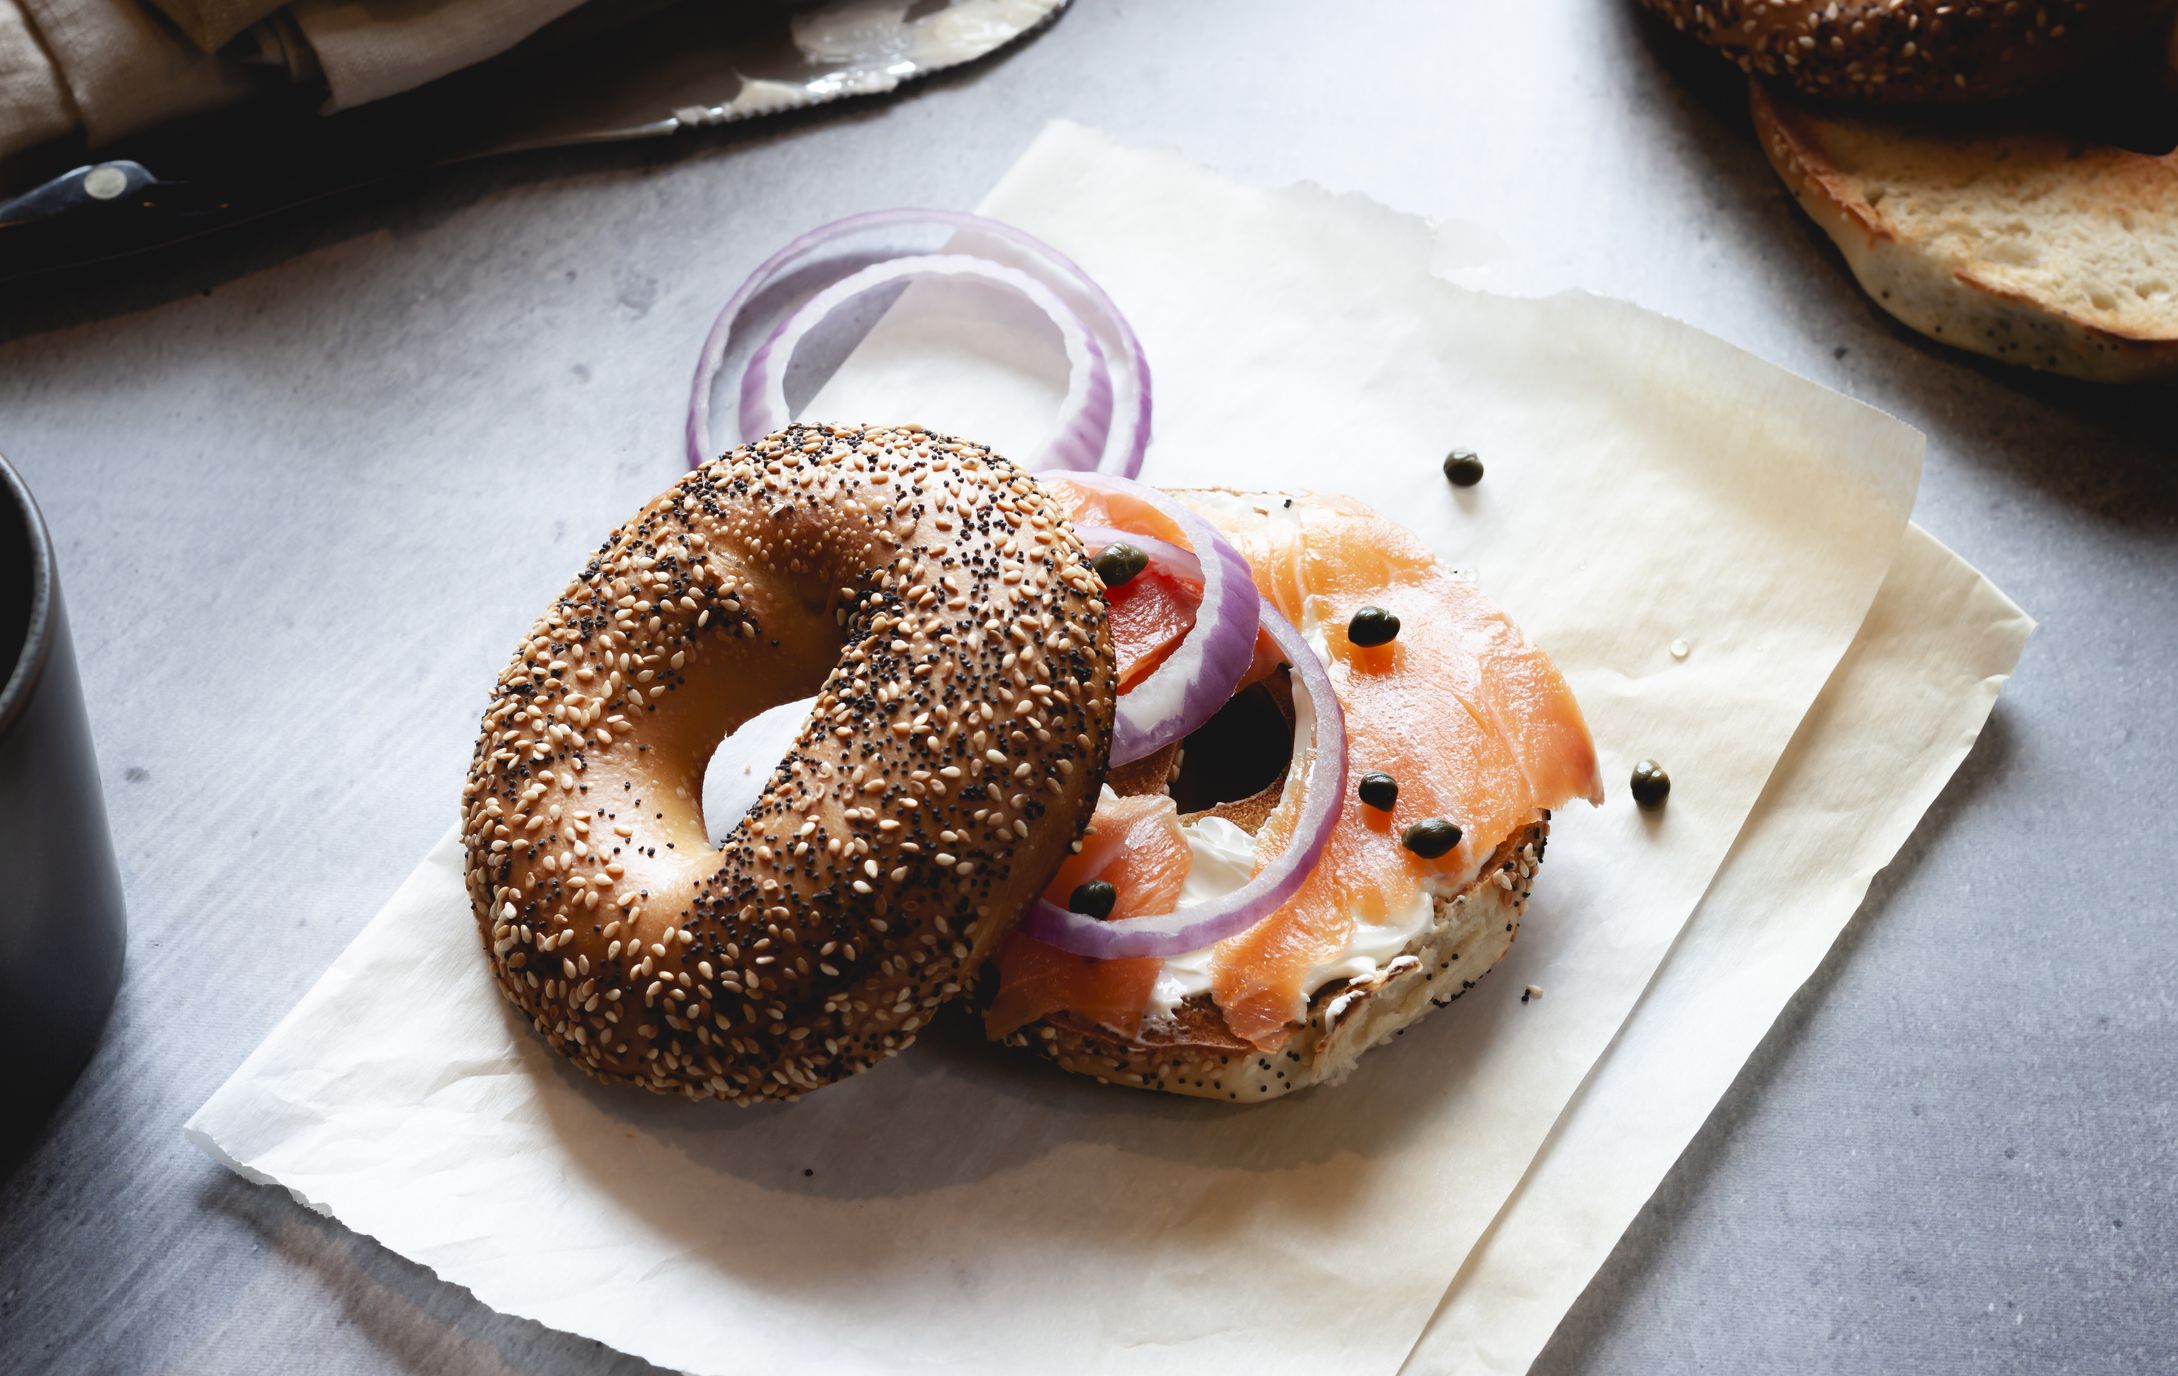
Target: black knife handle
[[102, 187]]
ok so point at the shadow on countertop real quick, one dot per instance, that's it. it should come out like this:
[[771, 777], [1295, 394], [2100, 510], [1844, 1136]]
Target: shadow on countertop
[[1689, 1188]]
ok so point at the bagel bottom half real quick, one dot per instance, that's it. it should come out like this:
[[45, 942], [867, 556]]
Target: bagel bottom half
[[1192, 1049], [2021, 243]]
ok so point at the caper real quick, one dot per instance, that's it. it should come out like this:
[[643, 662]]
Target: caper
[[1119, 562], [1431, 838], [1462, 468], [1651, 785], [1378, 790], [1094, 899], [1372, 626]]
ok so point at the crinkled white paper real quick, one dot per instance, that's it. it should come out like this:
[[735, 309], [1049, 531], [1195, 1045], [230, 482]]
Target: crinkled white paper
[[968, 1209], [1902, 711]]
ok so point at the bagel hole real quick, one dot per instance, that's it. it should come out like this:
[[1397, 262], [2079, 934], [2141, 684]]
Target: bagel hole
[[744, 763], [1241, 751]]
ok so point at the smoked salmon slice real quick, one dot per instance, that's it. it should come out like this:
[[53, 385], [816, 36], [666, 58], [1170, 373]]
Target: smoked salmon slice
[[1151, 614], [1332, 555], [1474, 722], [1134, 844]]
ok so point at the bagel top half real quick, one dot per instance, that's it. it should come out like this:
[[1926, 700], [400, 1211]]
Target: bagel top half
[[1913, 52], [936, 601]]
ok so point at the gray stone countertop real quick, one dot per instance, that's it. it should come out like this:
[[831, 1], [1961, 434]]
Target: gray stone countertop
[[310, 481]]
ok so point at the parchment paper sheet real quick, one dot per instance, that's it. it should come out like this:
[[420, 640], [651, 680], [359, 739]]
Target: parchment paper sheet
[[1902, 711], [964, 1209]]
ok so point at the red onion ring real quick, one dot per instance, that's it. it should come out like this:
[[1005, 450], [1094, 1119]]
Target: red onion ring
[[976, 236], [1085, 416], [1323, 779], [1201, 673]]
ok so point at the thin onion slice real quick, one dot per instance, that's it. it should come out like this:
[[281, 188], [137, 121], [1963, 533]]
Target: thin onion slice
[[1319, 769], [1085, 416], [974, 236], [1201, 673]]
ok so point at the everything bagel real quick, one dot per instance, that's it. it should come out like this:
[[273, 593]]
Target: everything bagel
[[1904, 52], [937, 602]]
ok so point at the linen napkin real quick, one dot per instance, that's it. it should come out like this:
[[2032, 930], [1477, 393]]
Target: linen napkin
[[108, 68]]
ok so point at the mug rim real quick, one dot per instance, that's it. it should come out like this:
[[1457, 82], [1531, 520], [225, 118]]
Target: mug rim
[[22, 677]]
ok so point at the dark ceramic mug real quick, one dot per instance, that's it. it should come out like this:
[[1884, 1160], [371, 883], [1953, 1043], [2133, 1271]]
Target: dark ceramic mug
[[62, 928]]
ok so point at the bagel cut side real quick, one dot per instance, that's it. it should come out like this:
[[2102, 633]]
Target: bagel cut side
[[2025, 247]]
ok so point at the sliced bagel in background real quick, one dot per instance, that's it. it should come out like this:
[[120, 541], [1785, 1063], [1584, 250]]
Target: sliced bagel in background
[[2039, 249]]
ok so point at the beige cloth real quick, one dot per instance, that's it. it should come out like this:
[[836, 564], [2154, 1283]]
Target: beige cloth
[[107, 68], [34, 103], [371, 49], [124, 68], [212, 24]]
